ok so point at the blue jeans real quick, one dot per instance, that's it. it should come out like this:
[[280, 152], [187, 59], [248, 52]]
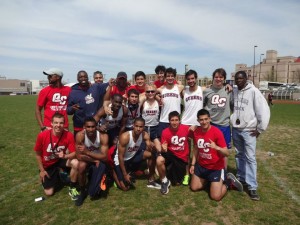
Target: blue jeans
[[245, 157]]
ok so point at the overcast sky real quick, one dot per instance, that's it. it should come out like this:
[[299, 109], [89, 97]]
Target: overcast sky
[[128, 35]]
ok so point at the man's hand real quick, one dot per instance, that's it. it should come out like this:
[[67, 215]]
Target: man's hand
[[60, 154], [164, 147], [192, 169], [81, 149], [228, 88], [254, 133], [108, 110], [127, 178], [76, 107], [43, 174], [213, 145], [112, 82]]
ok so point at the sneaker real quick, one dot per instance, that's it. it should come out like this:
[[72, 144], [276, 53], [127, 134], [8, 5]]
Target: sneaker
[[165, 187], [186, 180], [103, 183], [153, 184], [79, 201], [73, 193], [234, 182], [253, 195]]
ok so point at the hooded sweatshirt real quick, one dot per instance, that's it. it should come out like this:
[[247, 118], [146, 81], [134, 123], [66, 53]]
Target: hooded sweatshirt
[[89, 100], [250, 108]]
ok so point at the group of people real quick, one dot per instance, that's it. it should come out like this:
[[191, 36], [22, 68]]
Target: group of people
[[181, 133]]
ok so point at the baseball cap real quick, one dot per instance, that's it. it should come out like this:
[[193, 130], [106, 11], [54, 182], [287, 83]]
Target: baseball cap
[[53, 71], [122, 75]]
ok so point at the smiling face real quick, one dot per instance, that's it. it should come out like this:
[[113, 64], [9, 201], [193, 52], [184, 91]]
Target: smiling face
[[218, 80], [174, 122], [58, 125], [138, 127], [204, 121], [170, 77], [240, 80], [83, 79], [116, 103], [98, 78], [150, 92], [140, 81], [161, 76], [191, 80]]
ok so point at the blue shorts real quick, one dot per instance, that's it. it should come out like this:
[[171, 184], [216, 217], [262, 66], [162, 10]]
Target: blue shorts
[[152, 131], [226, 133], [131, 165], [209, 175], [161, 127]]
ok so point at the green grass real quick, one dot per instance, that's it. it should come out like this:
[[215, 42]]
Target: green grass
[[278, 177]]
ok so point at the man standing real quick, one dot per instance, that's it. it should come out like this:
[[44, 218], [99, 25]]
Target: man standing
[[53, 98], [85, 100], [170, 98], [250, 117], [219, 102], [51, 154], [98, 77], [208, 164], [91, 147], [172, 161]]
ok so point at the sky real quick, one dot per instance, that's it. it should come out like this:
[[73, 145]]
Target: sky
[[127, 35]]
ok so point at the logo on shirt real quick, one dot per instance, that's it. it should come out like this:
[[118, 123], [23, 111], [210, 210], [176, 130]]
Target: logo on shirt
[[194, 97], [170, 95], [219, 101], [61, 99], [89, 99]]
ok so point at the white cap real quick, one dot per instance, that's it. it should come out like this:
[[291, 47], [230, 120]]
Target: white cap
[[53, 71]]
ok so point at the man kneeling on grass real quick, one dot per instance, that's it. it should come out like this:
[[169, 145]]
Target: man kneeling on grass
[[91, 151], [210, 150], [51, 153], [130, 154]]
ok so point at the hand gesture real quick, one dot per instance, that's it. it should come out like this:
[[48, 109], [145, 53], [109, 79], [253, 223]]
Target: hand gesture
[[213, 145], [192, 169], [76, 107], [254, 133], [60, 154], [164, 146], [43, 174]]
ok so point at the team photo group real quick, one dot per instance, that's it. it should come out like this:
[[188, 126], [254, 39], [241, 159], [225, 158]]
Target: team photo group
[[167, 132]]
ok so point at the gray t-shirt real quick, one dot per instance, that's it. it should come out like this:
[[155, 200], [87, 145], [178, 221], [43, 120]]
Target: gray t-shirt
[[218, 102]]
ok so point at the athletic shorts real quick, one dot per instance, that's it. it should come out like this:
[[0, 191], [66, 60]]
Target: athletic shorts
[[175, 168], [152, 131], [226, 133], [209, 175], [131, 165], [161, 127], [53, 172], [112, 134]]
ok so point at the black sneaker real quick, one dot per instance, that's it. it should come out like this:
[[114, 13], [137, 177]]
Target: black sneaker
[[253, 195], [165, 187], [153, 184], [234, 182], [81, 198]]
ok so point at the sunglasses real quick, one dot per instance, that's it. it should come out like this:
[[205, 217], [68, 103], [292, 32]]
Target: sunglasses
[[150, 92]]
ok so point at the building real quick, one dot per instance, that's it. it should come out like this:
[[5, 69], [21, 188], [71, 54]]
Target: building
[[14, 86], [284, 69]]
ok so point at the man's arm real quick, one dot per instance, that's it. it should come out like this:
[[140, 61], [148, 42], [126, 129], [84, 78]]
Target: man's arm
[[147, 141], [38, 116], [102, 155], [224, 151], [123, 121], [99, 114], [194, 158], [43, 172], [123, 141], [106, 101]]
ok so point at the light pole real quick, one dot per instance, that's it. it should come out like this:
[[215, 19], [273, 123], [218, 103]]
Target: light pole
[[259, 67], [255, 46]]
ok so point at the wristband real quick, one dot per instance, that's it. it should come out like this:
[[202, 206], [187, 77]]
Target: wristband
[[192, 164], [43, 128]]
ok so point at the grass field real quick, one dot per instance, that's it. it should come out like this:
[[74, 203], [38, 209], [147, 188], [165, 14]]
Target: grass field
[[278, 176]]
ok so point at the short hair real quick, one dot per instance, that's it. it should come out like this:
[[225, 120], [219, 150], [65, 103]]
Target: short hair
[[220, 71], [139, 119], [202, 112], [116, 96], [133, 91], [191, 72], [97, 72], [173, 114], [58, 115], [82, 71], [139, 74], [160, 68], [243, 73], [171, 70], [90, 119]]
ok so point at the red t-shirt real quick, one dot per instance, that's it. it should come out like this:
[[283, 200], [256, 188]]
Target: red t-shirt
[[158, 84], [208, 157], [136, 87], [116, 90], [177, 141], [54, 99], [43, 145]]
